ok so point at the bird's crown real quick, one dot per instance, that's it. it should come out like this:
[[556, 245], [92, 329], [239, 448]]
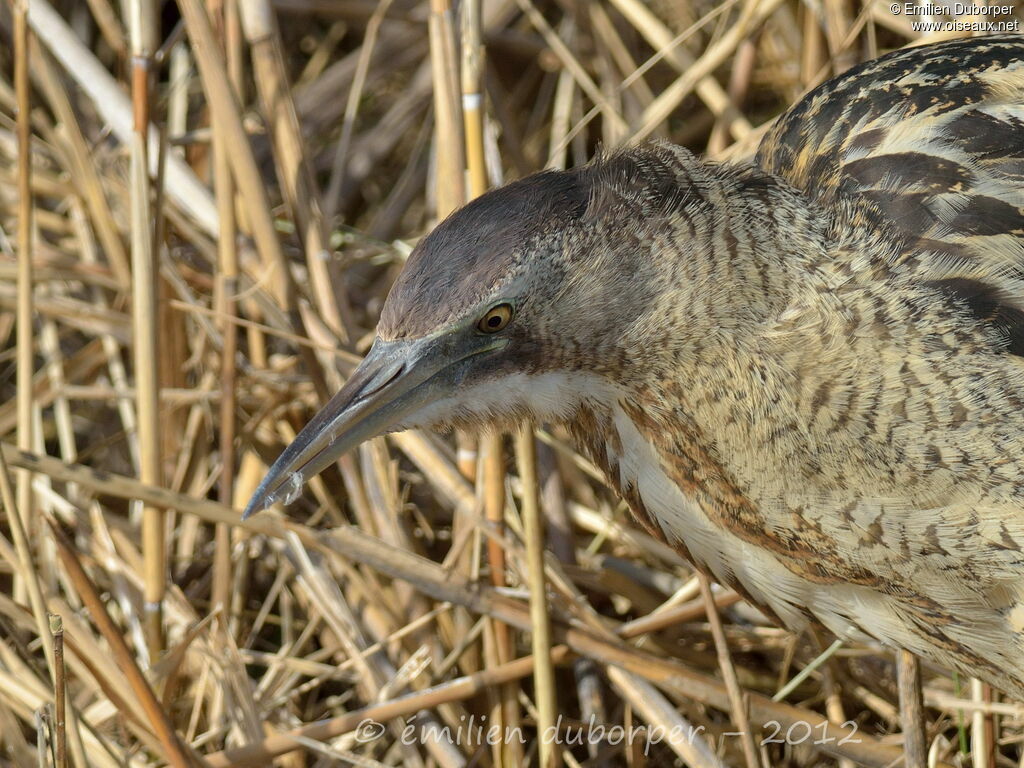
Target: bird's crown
[[504, 232]]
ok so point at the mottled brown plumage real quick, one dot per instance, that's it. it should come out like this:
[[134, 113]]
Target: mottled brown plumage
[[806, 373]]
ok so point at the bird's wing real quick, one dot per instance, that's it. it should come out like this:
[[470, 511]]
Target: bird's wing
[[919, 156], [933, 138]]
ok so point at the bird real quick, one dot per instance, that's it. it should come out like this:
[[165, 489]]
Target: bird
[[804, 372]]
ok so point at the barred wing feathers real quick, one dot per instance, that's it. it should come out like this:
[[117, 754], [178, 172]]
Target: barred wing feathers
[[932, 138]]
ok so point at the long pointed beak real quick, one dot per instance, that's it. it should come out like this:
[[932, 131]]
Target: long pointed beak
[[394, 381]]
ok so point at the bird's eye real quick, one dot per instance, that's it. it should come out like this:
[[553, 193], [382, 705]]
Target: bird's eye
[[496, 319]]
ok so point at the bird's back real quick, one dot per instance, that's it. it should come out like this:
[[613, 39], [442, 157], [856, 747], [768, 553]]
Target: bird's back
[[933, 137]]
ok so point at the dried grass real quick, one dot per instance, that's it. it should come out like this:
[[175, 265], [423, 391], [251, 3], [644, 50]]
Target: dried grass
[[233, 190]]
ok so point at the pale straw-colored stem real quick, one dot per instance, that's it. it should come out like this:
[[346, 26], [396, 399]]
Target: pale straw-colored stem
[[982, 728], [108, 98], [26, 566], [540, 620], [227, 288], [174, 752], [732, 685], [59, 693], [142, 32], [753, 14], [491, 449], [295, 174], [908, 673], [25, 341], [450, 187]]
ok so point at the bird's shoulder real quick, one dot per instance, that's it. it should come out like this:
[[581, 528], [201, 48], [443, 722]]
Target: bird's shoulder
[[924, 148], [934, 135]]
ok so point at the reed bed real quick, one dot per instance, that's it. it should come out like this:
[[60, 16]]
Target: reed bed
[[202, 208]]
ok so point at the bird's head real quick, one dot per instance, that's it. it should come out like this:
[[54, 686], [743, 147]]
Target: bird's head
[[514, 307]]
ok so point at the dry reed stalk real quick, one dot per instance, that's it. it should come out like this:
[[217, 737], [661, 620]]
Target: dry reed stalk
[[572, 64], [472, 97], [441, 472], [59, 692], [23, 562], [183, 187], [142, 34], [834, 709], [659, 712], [737, 706], [837, 20], [25, 312], [505, 708], [381, 486], [915, 746], [561, 114], [341, 357], [294, 172], [109, 26], [83, 172], [355, 94], [660, 619], [227, 262], [655, 31], [813, 54], [94, 661], [754, 13], [49, 345], [540, 640], [179, 73], [224, 108], [982, 728], [347, 628], [173, 750], [637, 692], [449, 145], [460, 688], [611, 41], [449, 194], [947, 701], [739, 83]]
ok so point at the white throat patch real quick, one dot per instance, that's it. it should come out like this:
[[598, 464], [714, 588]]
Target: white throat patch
[[553, 397]]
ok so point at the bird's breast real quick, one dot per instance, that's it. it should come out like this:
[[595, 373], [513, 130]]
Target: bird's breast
[[784, 561], [795, 563], [669, 494]]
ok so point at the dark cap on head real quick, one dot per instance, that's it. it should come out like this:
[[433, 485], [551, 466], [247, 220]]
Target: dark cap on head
[[472, 249]]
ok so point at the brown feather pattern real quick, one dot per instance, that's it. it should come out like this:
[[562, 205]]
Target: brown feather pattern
[[806, 373]]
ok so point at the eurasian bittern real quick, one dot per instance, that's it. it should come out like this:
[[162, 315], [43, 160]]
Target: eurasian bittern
[[806, 374]]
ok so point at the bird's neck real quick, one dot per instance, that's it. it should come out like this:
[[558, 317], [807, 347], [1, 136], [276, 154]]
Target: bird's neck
[[731, 266], [763, 324]]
